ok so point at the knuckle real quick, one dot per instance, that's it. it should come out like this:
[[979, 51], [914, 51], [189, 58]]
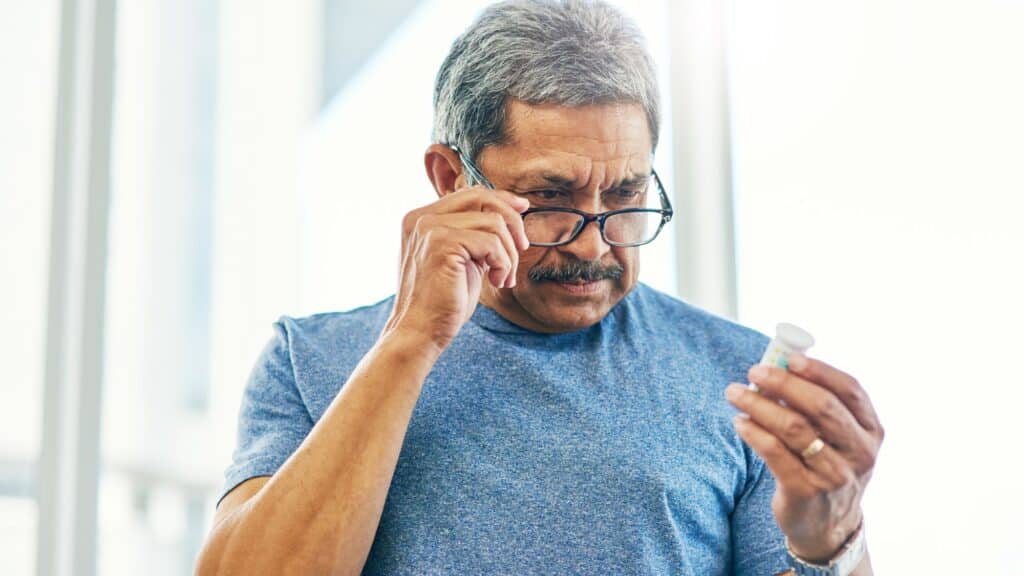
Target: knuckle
[[410, 220], [856, 399], [870, 459], [775, 448], [496, 220], [423, 223], [498, 245], [862, 458], [499, 252], [827, 408], [795, 428]]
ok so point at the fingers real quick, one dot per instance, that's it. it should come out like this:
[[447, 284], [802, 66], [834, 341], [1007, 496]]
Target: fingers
[[792, 428], [824, 410], [844, 386], [484, 248], [479, 199], [494, 212], [489, 222], [788, 470]]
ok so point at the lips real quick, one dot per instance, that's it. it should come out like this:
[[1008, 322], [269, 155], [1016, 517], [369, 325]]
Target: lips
[[580, 287]]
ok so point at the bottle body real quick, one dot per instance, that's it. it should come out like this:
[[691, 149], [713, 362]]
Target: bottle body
[[789, 339]]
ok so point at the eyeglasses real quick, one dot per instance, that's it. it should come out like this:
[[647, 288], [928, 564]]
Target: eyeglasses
[[557, 226]]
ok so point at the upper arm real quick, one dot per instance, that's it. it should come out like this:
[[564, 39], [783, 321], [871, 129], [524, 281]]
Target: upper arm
[[273, 419]]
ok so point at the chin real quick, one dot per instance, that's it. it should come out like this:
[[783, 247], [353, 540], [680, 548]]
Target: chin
[[562, 320], [562, 310]]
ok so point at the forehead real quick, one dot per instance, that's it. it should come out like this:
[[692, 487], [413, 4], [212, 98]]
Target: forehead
[[543, 137]]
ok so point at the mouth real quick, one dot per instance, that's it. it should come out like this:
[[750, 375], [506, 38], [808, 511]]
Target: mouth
[[580, 287]]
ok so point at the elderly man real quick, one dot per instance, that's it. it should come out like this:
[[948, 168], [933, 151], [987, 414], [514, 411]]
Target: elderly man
[[522, 404]]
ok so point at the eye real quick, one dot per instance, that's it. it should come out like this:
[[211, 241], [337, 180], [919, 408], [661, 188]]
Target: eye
[[626, 195], [549, 195]]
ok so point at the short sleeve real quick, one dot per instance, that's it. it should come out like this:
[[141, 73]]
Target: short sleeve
[[273, 419], [758, 545]]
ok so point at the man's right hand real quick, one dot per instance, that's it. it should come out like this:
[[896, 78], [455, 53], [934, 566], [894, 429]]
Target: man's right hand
[[448, 247], [320, 511]]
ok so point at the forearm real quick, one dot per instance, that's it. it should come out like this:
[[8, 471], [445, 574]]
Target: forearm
[[320, 511]]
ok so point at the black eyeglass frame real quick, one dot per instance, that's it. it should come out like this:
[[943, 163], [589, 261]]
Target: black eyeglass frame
[[666, 211]]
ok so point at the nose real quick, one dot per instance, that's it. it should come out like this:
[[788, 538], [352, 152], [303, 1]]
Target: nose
[[589, 246]]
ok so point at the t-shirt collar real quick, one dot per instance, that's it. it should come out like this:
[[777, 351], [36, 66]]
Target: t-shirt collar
[[489, 319]]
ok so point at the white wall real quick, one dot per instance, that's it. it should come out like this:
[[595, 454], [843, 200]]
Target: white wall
[[879, 197]]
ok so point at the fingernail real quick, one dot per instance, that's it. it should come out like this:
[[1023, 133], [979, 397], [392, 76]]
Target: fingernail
[[734, 391], [797, 361], [758, 372]]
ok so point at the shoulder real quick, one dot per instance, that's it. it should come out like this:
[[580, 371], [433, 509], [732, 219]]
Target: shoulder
[[698, 329], [330, 331], [324, 349]]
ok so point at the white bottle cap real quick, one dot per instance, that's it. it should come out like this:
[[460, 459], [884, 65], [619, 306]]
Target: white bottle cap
[[795, 337]]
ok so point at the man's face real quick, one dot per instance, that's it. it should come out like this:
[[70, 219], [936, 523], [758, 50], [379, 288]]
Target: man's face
[[591, 152]]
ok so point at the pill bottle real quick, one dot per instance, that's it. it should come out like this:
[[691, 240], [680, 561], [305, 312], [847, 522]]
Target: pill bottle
[[789, 339]]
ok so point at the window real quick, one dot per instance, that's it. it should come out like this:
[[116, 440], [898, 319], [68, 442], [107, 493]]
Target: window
[[155, 473], [28, 57]]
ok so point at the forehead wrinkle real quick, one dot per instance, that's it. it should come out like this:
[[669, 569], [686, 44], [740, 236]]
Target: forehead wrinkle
[[580, 174]]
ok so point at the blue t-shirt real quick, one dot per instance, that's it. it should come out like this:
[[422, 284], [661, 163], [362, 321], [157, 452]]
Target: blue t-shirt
[[609, 450]]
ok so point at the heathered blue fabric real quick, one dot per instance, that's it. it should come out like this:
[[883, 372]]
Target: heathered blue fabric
[[608, 450]]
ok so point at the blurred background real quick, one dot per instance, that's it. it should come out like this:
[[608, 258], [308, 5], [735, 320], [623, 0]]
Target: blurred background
[[176, 174]]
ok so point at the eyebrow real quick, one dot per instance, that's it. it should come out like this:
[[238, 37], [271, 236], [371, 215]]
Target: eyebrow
[[564, 183]]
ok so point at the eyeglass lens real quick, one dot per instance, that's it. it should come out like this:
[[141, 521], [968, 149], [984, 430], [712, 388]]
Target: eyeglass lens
[[622, 228]]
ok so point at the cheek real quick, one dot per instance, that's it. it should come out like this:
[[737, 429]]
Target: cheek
[[629, 259], [527, 260]]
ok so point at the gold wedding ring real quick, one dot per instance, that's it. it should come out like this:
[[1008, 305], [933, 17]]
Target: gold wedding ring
[[813, 448]]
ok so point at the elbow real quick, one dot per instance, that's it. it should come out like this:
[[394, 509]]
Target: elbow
[[208, 561], [212, 559]]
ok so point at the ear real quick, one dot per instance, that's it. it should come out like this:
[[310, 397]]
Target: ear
[[444, 169]]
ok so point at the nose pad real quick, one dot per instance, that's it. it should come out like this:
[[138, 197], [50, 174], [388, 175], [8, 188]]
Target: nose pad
[[589, 245]]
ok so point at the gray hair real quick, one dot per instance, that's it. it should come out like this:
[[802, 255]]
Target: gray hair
[[565, 52]]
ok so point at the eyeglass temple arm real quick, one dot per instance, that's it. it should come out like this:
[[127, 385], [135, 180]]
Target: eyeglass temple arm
[[468, 165], [666, 205]]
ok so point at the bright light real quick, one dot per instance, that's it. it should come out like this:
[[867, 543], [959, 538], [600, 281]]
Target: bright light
[[878, 149]]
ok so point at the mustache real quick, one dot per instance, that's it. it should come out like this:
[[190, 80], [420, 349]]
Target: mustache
[[577, 271]]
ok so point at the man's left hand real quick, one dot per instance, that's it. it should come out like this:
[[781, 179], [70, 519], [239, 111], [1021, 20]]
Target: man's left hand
[[818, 495]]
